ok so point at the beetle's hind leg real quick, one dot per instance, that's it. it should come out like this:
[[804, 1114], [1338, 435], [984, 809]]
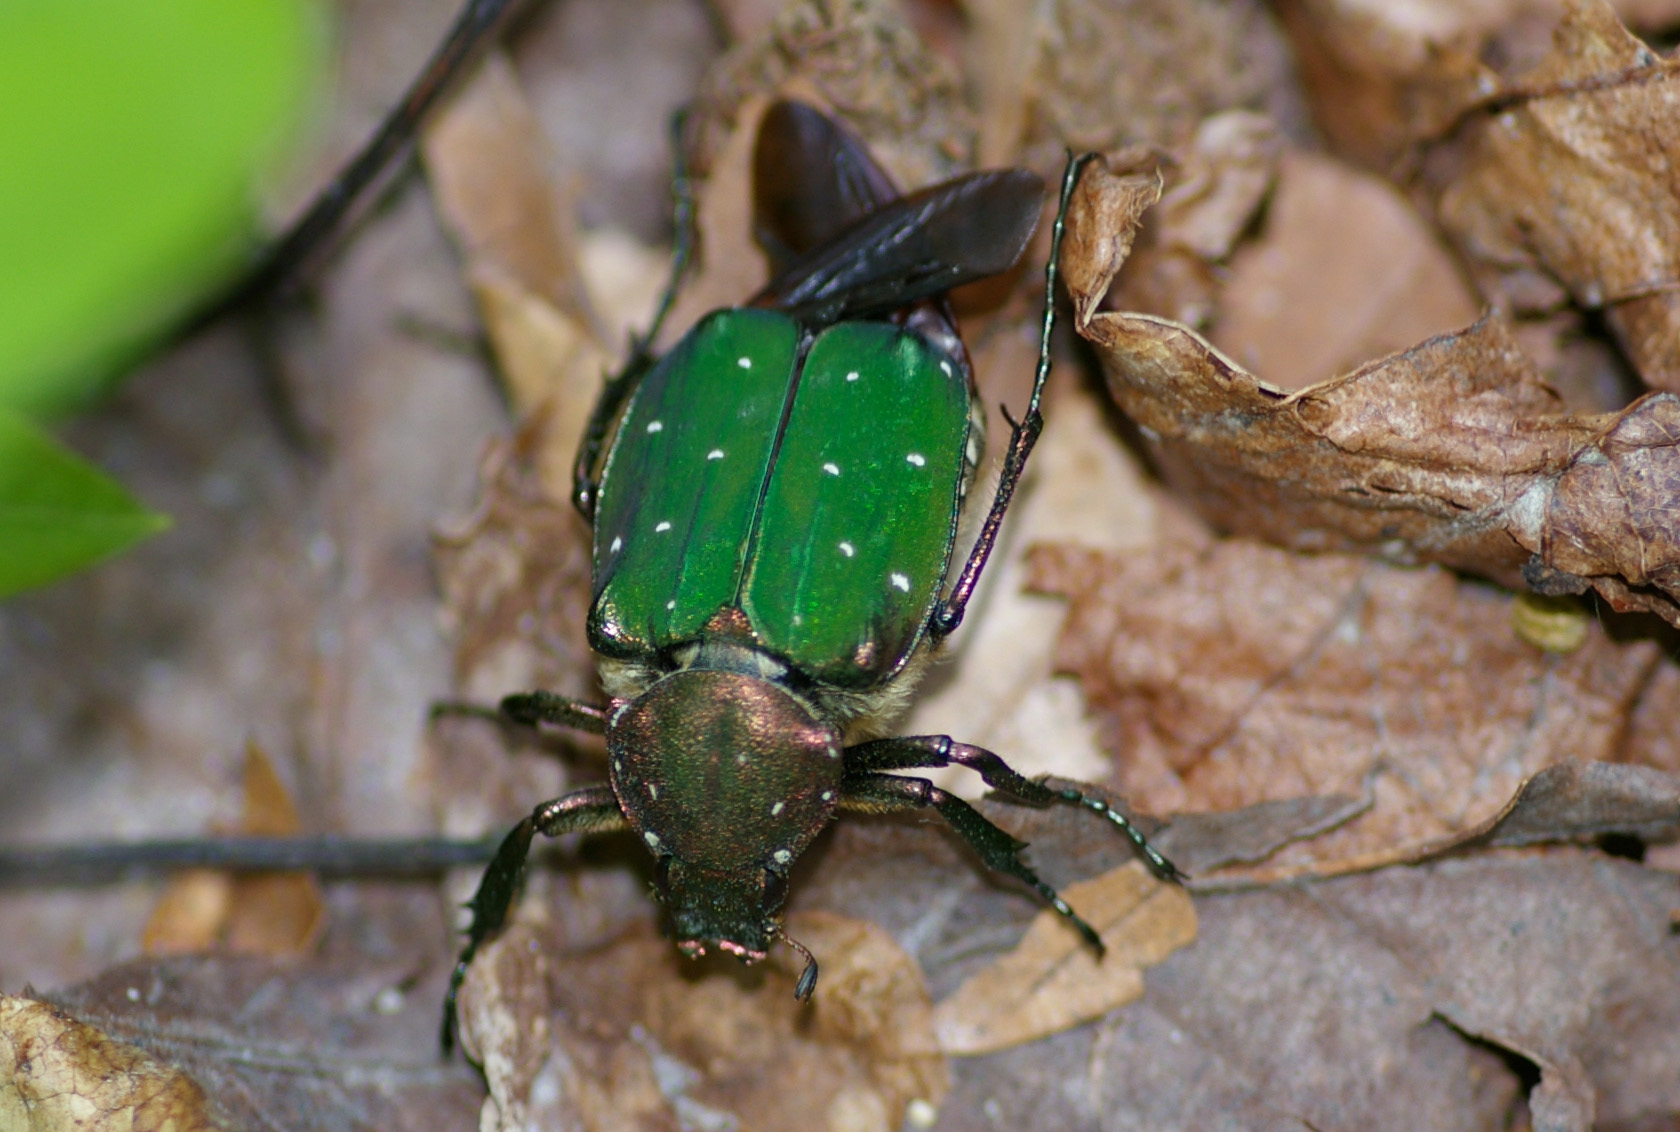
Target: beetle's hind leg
[[911, 752], [869, 793], [1023, 434], [593, 809]]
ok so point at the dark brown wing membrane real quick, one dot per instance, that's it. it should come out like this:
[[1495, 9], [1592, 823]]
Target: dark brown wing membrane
[[811, 180], [913, 248]]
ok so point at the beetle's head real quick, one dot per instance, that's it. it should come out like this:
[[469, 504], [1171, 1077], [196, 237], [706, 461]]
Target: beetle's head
[[726, 777]]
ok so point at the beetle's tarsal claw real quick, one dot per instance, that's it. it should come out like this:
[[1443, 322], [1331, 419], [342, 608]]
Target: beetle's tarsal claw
[[807, 984]]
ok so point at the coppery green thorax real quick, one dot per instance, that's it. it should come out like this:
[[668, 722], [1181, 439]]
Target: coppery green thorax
[[775, 505]]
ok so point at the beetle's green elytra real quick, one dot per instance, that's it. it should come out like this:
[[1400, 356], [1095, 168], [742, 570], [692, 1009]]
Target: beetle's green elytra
[[776, 506], [823, 506]]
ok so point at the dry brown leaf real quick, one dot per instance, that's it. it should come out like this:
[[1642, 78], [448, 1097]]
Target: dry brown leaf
[[1343, 271], [59, 1075], [263, 913], [1211, 194], [1570, 172], [1454, 451], [1380, 77], [483, 154], [341, 1040], [1347, 1003], [1236, 674], [1550, 165], [1053, 981], [1576, 799], [632, 1029]]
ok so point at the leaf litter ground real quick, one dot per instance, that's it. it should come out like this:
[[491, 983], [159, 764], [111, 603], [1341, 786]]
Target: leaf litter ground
[[1340, 740]]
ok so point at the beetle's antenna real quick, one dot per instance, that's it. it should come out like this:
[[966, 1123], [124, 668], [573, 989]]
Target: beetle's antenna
[[807, 984]]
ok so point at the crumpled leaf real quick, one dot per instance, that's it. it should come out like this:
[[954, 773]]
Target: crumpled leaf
[[632, 1028], [1454, 451], [59, 1075], [1570, 172], [1233, 674], [1211, 191], [1552, 171], [1052, 980]]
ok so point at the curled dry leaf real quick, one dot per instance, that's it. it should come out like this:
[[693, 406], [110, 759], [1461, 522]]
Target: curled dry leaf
[[1570, 170], [1237, 674], [631, 1028], [1052, 980], [1554, 175], [1454, 451], [1218, 183], [59, 1075]]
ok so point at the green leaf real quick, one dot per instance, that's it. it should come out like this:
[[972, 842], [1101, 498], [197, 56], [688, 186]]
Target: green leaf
[[134, 136], [58, 513]]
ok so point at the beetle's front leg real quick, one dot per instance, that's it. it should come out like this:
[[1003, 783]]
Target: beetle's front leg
[[529, 709], [915, 752], [532, 708], [868, 793], [594, 809]]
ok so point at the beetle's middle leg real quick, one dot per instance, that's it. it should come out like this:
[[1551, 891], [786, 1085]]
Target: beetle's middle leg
[[869, 793], [914, 752]]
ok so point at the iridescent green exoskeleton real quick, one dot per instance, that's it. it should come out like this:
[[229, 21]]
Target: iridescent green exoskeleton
[[776, 505]]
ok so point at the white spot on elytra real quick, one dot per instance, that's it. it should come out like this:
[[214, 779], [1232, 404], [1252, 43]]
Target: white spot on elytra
[[653, 791], [744, 362], [781, 856], [617, 545], [828, 795], [901, 582], [832, 469], [916, 458], [652, 839], [740, 760], [672, 604], [847, 549], [656, 426], [662, 526], [777, 809], [946, 366], [853, 376], [715, 454]]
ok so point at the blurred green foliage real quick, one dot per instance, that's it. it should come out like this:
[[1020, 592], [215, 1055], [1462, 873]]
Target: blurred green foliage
[[134, 135]]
